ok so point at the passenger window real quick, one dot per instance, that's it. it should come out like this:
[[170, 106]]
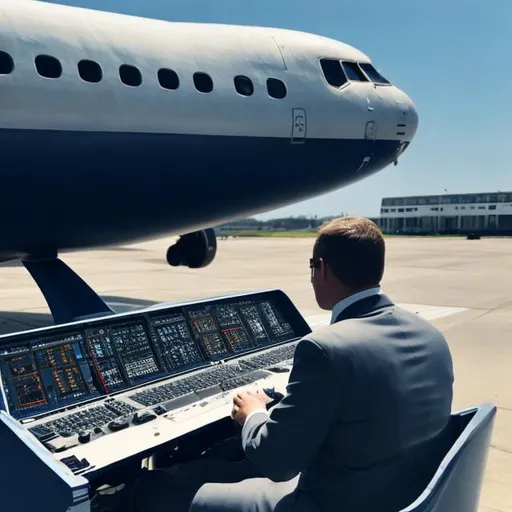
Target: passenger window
[[130, 75], [6, 63], [168, 79], [276, 88], [373, 74], [333, 72], [48, 67], [90, 71], [353, 72], [244, 86], [203, 82]]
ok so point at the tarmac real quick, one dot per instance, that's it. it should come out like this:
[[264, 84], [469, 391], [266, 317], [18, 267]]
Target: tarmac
[[463, 287]]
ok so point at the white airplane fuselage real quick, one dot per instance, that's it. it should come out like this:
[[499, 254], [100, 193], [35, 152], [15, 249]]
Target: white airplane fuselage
[[113, 150]]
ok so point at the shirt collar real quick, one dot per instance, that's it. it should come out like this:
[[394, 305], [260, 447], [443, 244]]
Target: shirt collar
[[348, 301]]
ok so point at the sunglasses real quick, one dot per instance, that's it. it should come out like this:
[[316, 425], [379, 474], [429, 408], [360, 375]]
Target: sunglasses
[[314, 263]]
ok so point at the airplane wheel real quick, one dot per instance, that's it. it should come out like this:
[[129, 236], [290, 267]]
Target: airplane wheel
[[194, 250]]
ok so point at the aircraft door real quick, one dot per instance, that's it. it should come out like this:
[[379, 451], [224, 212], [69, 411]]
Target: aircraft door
[[371, 131], [299, 126], [370, 135]]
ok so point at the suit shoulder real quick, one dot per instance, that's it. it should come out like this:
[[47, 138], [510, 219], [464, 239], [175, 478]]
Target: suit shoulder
[[354, 335], [310, 346], [417, 320], [327, 341]]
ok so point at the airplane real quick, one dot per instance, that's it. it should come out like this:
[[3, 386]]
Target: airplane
[[117, 129]]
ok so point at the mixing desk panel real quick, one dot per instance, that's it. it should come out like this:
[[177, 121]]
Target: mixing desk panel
[[73, 384]]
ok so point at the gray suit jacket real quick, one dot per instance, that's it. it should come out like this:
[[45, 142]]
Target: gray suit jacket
[[366, 408]]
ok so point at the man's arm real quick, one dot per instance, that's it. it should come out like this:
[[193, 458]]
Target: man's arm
[[281, 445]]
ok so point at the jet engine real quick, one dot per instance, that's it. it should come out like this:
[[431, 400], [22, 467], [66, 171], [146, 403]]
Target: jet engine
[[193, 250]]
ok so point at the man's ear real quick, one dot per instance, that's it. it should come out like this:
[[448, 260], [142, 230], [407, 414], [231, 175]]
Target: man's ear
[[323, 268]]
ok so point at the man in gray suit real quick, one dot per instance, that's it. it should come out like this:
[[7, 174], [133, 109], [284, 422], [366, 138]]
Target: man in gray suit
[[367, 403]]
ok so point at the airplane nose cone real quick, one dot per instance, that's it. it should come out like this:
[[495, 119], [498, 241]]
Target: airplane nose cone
[[408, 116], [408, 120], [411, 116]]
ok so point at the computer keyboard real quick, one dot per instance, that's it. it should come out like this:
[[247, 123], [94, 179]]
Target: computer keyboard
[[227, 376], [270, 358], [83, 420]]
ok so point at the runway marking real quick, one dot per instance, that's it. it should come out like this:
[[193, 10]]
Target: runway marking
[[425, 311]]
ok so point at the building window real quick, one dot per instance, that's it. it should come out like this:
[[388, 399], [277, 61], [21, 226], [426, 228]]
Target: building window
[[48, 67], [90, 71], [6, 63], [168, 79], [244, 86], [130, 75], [469, 199], [333, 72], [492, 207], [276, 88]]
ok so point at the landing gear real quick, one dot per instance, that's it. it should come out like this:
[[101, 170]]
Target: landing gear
[[68, 296], [193, 250]]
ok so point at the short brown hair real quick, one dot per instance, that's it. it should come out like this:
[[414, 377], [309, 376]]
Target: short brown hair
[[354, 249]]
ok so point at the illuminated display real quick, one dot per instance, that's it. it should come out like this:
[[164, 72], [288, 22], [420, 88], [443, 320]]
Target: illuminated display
[[252, 318], [58, 367], [206, 330], [176, 345], [134, 350], [278, 326], [103, 360], [231, 328], [28, 390], [47, 374]]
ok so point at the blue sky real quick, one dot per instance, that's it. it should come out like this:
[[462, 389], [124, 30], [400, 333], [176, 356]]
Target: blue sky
[[451, 57]]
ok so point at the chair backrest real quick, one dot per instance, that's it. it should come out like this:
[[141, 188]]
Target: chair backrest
[[456, 485]]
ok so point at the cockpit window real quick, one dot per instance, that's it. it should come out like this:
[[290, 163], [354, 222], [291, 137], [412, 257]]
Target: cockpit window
[[373, 74], [333, 72], [353, 72]]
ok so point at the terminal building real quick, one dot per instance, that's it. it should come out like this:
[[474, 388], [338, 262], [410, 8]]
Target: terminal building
[[484, 213]]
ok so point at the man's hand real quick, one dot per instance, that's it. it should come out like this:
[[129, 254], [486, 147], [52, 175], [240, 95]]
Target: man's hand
[[246, 402]]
